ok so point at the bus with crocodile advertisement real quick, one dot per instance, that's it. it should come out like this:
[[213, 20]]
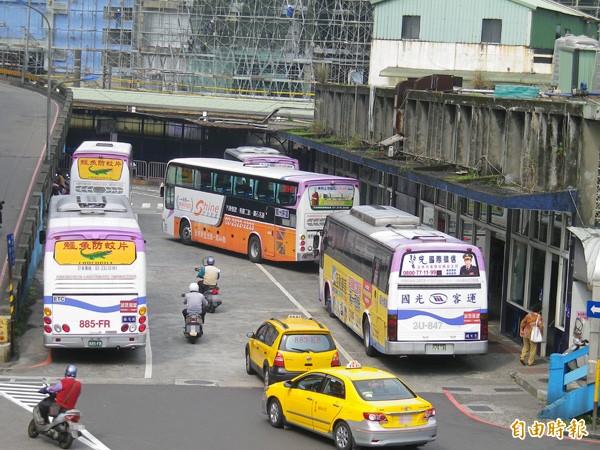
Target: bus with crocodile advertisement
[[102, 167], [94, 274]]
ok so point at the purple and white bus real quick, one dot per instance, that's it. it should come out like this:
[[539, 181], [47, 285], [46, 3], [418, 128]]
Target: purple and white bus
[[94, 274], [102, 167], [266, 156]]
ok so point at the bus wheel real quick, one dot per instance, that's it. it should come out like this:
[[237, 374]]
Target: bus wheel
[[185, 232], [369, 349], [329, 303], [254, 250]]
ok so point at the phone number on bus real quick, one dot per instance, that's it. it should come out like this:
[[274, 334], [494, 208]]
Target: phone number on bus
[[238, 223]]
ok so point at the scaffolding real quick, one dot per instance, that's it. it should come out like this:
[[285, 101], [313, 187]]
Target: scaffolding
[[258, 47], [591, 7]]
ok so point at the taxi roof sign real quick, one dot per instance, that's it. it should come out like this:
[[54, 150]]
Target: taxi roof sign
[[354, 365], [294, 316]]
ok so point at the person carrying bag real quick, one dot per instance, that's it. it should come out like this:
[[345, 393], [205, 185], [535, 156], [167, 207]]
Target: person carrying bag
[[531, 331]]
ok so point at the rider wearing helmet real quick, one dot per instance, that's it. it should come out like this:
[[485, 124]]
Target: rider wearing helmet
[[66, 392], [209, 274], [194, 301]]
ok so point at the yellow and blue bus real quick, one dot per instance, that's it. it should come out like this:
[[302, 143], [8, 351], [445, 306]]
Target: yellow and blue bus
[[403, 287]]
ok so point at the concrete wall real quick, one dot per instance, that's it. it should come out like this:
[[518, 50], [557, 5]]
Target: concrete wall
[[534, 145]]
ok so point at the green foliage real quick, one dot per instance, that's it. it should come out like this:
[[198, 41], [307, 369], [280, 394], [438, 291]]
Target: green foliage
[[22, 317]]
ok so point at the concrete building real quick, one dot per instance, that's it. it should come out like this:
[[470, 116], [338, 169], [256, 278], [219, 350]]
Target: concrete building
[[485, 42]]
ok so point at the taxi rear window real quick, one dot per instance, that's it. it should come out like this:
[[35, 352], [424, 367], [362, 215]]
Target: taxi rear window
[[383, 389], [307, 343]]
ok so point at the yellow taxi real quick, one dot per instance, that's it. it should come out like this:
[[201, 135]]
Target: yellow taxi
[[281, 349], [354, 406]]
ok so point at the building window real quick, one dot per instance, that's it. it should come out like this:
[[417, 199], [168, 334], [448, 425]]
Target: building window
[[491, 31], [411, 27]]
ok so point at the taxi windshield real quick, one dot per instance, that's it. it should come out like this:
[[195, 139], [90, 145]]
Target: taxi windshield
[[307, 343], [383, 389]]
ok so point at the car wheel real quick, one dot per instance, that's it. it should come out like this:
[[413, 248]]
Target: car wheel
[[369, 349], [266, 377], [32, 429], [343, 436], [329, 303], [249, 369], [254, 250], [185, 232], [275, 413]]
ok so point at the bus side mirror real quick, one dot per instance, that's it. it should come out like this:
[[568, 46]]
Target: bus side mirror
[[42, 237], [162, 190]]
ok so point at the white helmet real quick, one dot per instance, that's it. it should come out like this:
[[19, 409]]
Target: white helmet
[[194, 287]]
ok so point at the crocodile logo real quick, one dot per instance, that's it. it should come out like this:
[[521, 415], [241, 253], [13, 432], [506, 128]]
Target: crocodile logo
[[100, 171], [95, 255]]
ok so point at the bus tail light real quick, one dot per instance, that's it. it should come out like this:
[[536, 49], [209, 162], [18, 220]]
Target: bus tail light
[[66, 328], [484, 326], [142, 328], [47, 320], [279, 362], [124, 327], [392, 327], [335, 361], [47, 329], [142, 319]]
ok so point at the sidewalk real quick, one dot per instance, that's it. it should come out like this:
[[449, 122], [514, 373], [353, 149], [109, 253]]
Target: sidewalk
[[534, 379]]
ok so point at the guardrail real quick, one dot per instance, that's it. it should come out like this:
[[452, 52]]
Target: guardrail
[[564, 403]]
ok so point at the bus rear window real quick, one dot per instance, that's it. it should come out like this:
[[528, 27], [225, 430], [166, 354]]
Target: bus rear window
[[439, 264]]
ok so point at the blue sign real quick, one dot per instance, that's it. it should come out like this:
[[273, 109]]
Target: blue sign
[[593, 309], [10, 244]]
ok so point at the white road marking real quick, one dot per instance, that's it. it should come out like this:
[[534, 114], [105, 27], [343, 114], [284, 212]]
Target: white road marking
[[148, 349], [299, 306]]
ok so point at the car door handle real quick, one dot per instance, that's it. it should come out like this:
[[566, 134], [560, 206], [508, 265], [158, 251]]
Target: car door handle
[[309, 398], [336, 405]]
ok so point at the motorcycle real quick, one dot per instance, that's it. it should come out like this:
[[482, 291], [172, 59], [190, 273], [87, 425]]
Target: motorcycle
[[192, 329], [578, 343], [211, 294], [63, 428]]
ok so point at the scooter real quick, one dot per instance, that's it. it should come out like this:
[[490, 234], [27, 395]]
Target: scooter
[[64, 427], [192, 329], [577, 344], [211, 294]]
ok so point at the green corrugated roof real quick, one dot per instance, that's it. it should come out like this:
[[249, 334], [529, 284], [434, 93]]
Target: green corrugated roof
[[196, 105], [534, 4]]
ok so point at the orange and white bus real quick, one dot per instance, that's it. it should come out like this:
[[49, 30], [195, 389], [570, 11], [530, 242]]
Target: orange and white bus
[[266, 212], [101, 167]]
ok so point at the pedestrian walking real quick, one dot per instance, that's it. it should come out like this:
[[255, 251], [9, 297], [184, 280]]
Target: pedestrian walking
[[1, 206], [529, 349]]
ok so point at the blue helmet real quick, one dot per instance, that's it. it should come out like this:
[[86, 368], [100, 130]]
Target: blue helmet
[[210, 261], [71, 371]]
